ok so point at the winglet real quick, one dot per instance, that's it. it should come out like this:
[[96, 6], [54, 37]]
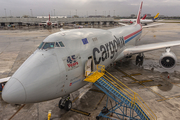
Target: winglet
[[155, 18], [139, 14]]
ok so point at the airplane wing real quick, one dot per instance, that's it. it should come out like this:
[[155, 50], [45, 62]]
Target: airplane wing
[[145, 48], [4, 79], [150, 47], [152, 25], [54, 23]]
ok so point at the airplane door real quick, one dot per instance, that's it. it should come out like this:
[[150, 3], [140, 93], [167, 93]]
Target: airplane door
[[89, 66]]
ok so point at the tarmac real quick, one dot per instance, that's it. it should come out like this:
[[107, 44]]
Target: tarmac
[[161, 94]]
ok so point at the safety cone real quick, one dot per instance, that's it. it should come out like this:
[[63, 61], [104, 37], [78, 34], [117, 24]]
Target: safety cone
[[2, 86], [168, 76]]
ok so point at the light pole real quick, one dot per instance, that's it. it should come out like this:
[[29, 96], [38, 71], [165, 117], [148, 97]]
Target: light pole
[[31, 13], [114, 12], [5, 12], [10, 13], [76, 12], [54, 12]]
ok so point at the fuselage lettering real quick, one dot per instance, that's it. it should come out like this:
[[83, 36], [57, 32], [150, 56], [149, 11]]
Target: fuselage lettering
[[108, 50], [94, 54]]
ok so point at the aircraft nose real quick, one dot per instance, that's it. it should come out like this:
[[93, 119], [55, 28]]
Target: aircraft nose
[[14, 92]]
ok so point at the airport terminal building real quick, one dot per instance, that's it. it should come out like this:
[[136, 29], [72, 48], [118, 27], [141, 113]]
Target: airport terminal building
[[5, 21]]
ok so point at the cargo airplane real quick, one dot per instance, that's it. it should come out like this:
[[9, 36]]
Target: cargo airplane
[[143, 20], [57, 67]]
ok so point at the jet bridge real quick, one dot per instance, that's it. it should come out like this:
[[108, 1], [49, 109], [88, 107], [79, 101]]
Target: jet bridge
[[128, 105]]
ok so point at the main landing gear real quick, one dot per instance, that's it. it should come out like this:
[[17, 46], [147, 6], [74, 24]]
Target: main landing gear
[[65, 103], [139, 59]]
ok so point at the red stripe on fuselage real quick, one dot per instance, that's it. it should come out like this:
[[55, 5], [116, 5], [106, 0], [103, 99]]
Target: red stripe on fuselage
[[130, 35]]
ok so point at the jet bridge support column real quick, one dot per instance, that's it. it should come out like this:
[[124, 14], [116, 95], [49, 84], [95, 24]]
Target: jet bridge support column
[[107, 24]]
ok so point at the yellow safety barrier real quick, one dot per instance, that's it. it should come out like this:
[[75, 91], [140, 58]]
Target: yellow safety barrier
[[134, 97]]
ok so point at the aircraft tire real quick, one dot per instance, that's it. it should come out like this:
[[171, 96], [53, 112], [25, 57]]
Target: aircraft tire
[[137, 60], [68, 105], [141, 61], [60, 106], [97, 117]]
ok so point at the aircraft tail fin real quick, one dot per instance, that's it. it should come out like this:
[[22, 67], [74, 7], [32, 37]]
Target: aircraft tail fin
[[139, 14], [155, 18], [49, 17], [144, 17]]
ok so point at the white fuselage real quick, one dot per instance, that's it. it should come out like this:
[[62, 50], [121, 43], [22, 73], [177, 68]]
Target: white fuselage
[[143, 21], [51, 73]]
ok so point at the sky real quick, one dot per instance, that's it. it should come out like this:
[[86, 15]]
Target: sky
[[88, 7]]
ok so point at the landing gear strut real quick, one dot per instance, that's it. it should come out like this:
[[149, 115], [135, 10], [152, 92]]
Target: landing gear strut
[[139, 59], [65, 103]]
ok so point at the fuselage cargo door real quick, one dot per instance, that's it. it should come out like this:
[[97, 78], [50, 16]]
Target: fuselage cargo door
[[89, 66]]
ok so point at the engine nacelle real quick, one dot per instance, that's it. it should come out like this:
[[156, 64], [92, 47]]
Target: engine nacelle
[[168, 60]]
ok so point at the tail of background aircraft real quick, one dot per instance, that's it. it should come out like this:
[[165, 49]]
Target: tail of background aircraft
[[144, 17], [155, 18], [139, 14]]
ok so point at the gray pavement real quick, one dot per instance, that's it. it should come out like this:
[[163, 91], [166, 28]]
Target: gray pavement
[[161, 95]]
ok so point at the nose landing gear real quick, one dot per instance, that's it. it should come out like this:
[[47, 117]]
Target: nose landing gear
[[65, 103], [139, 59]]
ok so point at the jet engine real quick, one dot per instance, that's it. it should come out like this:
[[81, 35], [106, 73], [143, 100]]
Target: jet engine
[[168, 60]]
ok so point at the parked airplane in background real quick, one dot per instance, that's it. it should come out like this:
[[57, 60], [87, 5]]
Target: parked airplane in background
[[78, 26], [57, 67], [130, 20], [144, 17], [48, 23], [143, 21]]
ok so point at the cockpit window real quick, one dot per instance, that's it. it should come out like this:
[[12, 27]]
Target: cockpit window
[[61, 44], [48, 45], [57, 45], [41, 45]]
